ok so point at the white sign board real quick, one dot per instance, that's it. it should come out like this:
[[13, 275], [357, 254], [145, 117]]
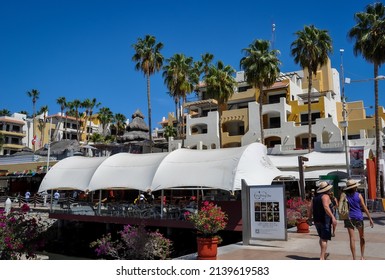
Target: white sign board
[[265, 214]]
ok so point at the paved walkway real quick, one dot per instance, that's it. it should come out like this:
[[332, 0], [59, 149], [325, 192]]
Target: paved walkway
[[304, 246]]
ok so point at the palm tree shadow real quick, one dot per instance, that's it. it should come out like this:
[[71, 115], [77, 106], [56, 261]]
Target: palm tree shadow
[[301, 258]]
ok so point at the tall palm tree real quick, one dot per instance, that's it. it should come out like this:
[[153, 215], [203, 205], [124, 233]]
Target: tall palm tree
[[61, 101], [77, 104], [180, 80], [220, 85], [311, 50], [89, 105], [261, 67], [120, 122], [149, 60], [70, 112], [369, 37], [34, 95], [105, 116]]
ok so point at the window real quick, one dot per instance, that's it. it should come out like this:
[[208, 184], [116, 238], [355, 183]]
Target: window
[[305, 119], [355, 136], [243, 89], [275, 122], [275, 98]]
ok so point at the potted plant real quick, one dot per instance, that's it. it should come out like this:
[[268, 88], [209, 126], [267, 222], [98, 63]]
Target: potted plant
[[208, 220], [297, 214]]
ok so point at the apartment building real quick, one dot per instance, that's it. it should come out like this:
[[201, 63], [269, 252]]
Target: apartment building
[[12, 133], [285, 117]]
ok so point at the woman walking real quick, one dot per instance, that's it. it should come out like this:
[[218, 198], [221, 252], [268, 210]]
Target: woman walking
[[356, 219]]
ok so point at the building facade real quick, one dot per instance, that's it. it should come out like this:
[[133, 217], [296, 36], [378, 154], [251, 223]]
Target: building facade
[[285, 117]]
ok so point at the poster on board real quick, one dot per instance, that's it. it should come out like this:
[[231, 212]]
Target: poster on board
[[265, 214], [356, 160]]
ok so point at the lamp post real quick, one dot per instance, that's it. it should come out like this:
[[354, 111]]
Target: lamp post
[[344, 123], [49, 143]]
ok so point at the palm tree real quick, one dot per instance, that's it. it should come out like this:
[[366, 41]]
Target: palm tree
[[180, 80], [5, 112], [220, 85], [169, 131], [89, 105], [76, 105], [34, 95], [61, 101], [261, 67], [25, 113], [149, 60], [120, 122], [70, 112], [369, 37], [105, 116], [311, 50]]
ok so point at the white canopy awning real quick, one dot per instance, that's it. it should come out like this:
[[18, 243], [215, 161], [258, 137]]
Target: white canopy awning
[[219, 168], [72, 173], [126, 171]]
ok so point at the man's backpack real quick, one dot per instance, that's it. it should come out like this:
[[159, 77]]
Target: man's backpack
[[343, 208]]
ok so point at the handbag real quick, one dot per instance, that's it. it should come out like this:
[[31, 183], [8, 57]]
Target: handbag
[[343, 207]]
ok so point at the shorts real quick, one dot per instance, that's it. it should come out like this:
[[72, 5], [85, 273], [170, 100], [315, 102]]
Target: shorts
[[324, 231], [353, 223]]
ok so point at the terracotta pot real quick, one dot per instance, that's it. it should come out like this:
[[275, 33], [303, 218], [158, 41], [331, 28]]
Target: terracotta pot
[[207, 248], [302, 226]]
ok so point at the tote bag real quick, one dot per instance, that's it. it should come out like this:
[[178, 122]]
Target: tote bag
[[343, 207]]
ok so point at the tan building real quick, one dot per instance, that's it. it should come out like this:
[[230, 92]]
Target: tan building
[[285, 116], [12, 132]]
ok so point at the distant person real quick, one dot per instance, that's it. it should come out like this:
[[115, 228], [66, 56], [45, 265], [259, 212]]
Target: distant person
[[149, 196], [56, 197], [356, 218], [192, 203], [27, 196], [75, 195], [323, 218]]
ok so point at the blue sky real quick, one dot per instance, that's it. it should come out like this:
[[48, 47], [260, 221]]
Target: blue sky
[[83, 48]]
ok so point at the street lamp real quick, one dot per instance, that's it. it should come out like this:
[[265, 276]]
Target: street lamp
[[344, 123]]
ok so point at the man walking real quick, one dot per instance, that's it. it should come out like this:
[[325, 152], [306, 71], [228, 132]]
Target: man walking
[[320, 210]]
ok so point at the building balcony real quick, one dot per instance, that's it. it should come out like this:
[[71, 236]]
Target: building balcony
[[14, 133], [13, 146]]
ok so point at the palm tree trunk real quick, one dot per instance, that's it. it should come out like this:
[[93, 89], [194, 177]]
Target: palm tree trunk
[[379, 188], [149, 110], [89, 128], [33, 124], [261, 114], [309, 109], [65, 127], [220, 110], [183, 134]]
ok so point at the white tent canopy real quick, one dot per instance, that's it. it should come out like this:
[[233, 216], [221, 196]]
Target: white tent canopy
[[126, 171], [72, 173], [220, 168]]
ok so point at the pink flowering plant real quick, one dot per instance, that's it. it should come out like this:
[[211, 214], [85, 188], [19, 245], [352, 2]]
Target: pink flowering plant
[[209, 219], [135, 243], [20, 234], [296, 209]]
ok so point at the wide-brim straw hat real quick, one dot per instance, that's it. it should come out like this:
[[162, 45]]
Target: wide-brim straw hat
[[324, 187], [350, 184]]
